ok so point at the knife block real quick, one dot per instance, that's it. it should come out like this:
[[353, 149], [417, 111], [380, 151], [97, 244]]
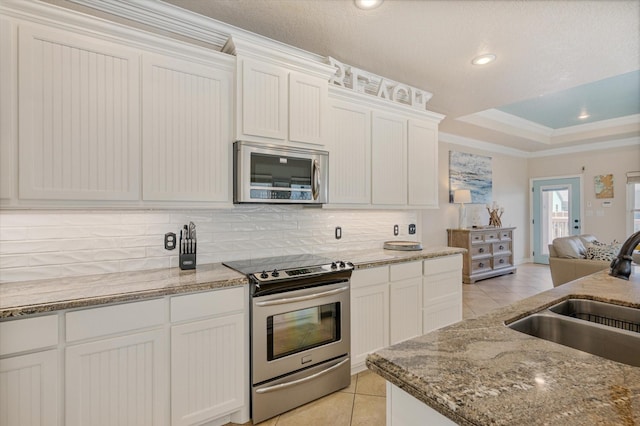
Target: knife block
[[187, 261]]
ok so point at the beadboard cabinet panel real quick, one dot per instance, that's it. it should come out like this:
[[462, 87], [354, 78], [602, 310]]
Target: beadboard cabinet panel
[[405, 299], [308, 103], [8, 109], [78, 117], [29, 390], [121, 380], [186, 130], [422, 158], [442, 292], [350, 159], [264, 105], [207, 371], [388, 159], [369, 321]]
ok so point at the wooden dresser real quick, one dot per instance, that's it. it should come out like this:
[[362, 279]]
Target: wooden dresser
[[490, 252]]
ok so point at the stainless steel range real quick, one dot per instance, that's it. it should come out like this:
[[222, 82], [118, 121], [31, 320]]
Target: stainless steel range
[[300, 330]]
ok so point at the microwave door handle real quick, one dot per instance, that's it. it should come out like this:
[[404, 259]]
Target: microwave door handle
[[315, 184]]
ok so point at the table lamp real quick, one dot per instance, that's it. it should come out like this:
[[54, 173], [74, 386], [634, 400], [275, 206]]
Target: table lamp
[[461, 196]]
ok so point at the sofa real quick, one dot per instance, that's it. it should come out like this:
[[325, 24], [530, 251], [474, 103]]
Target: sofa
[[568, 258]]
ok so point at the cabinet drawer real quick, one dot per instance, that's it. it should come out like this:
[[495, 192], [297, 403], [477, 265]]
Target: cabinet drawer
[[115, 319], [28, 334], [490, 235], [501, 262], [480, 265], [442, 264], [216, 302], [404, 271], [477, 238], [505, 235], [370, 276], [503, 247], [480, 250]]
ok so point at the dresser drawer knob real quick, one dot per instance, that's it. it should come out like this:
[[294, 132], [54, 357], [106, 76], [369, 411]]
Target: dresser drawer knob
[[501, 247], [481, 250]]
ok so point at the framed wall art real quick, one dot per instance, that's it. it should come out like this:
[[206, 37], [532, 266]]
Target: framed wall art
[[472, 172], [603, 186]]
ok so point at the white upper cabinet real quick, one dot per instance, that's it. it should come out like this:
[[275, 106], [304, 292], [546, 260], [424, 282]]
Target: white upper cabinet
[[422, 163], [263, 110], [350, 153], [78, 117], [280, 105], [388, 159], [282, 93], [308, 111], [8, 113], [186, 130]]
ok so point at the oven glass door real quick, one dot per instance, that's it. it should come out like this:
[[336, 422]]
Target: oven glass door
[[297, 329], [303, 329]]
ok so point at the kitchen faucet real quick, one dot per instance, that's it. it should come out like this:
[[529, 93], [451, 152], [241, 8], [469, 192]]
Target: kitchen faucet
[[621, 265]]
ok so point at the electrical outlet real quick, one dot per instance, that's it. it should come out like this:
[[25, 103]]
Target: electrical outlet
[[396, 230], [169, 241], [412, 229]]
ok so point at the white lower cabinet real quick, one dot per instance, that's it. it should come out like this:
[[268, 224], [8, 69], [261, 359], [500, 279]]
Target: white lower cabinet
[[442, 292], [369, 314], [209, 366], [390, 304], [29, 389], [120, 380], [29, 376], [405, 301]]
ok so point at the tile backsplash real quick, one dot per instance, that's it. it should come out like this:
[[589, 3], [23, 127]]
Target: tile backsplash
[[54, 244]]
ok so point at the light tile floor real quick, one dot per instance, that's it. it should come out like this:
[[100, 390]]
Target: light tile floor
[[363, 402]]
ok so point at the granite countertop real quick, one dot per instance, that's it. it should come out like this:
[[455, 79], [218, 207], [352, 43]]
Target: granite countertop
[[480, 372], [33, 297]]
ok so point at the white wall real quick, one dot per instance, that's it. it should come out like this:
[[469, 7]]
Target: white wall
[[510, 190], [607, 223], [53, 244]]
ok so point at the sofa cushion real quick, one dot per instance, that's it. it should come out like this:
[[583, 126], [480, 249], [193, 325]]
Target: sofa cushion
[[569, 247], [601, 251]]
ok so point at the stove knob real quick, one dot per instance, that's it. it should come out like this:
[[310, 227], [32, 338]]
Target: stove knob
[[264, 275], [334, 265], [275, 273], [342, 265]]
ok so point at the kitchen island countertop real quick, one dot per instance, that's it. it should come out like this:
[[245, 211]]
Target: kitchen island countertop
[[48, 295], [480, 372]]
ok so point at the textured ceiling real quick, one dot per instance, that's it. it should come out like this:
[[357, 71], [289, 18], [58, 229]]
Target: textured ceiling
[[542, 46]]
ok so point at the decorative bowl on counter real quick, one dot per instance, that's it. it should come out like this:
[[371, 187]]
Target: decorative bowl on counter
[[402, 245]]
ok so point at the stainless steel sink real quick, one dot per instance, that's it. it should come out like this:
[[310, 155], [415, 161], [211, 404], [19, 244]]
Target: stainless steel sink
[[602, 329]]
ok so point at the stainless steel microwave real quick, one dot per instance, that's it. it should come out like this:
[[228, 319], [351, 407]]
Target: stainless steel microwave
[[277, 174]]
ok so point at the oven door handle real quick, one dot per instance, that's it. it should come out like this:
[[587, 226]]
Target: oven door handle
[[303, 380], [302, 298]]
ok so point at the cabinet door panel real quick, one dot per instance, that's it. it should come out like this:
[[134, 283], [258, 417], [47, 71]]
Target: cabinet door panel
[[308, 98], [122, 380], [422, 146], [29, 393], [369, 321], [78, 117], [8, 112], [388, 160], [186, 131], [207, 372], [264, 100], [405, 309], [350, 158]]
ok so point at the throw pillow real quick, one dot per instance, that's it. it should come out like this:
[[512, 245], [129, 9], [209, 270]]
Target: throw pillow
[[601, 251]]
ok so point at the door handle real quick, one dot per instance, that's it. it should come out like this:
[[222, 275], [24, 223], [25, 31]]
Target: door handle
[[315, 184], [303, 380], [302, 298]]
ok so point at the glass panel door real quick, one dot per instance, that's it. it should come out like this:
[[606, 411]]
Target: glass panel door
[[556, 213]]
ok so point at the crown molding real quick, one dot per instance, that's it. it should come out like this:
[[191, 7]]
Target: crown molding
[[482, 145], [601, 125], [499, 121], [500, 149]]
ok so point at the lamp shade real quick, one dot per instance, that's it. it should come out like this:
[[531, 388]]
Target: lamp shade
[[462, 196]]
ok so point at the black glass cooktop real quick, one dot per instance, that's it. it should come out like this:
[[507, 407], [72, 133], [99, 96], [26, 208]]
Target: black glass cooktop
[[252, 266]]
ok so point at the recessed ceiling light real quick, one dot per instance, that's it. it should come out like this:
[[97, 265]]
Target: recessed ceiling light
[[484, 59], [368, 4], [583, 116]]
